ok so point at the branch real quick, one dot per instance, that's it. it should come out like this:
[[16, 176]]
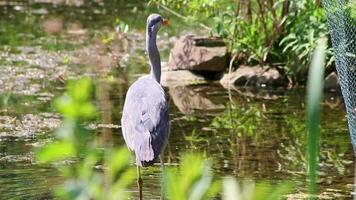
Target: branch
[[181, 16]]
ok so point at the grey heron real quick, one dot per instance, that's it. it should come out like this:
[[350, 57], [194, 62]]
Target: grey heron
[[145, 120]]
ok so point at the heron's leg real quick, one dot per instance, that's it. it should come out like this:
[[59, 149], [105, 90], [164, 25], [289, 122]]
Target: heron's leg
[[162, 164], [139, 181], [162, 175], [169, 153]]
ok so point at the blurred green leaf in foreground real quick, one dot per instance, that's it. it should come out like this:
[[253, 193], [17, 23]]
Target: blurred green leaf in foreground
[[90, 172]]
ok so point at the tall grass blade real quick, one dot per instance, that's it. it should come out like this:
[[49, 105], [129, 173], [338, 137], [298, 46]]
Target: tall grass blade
[[314, 97]]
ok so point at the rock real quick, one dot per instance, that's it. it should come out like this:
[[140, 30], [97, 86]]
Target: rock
[[254, 76], [181, 77], [198, 54], [331, 82], [333, 100], [52, 25], [189, 99]]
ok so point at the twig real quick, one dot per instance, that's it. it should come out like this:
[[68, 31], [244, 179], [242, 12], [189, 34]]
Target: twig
[[181, 16], [230, 70]]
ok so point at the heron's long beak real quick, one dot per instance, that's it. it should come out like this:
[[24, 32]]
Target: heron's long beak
[[165, 22]]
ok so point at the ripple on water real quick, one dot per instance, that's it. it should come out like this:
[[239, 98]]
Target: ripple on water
[[27, 182]]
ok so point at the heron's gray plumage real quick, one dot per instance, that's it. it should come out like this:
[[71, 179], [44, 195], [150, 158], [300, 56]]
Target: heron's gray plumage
[[145, 120]]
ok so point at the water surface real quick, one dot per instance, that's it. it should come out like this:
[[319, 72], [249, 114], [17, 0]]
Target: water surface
[[44, 44]]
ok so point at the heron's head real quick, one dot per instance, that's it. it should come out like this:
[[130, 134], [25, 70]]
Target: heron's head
[[154, 22]]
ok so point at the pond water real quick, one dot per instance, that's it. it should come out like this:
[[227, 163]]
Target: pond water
[[43, 44]]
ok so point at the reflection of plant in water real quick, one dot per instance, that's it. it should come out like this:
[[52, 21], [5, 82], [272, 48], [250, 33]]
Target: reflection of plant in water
[[293, 150], [191, 118], [194, 137], [249, 190], [242, 120]]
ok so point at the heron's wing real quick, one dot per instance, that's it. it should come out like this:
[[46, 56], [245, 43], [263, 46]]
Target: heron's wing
[[145, 121]]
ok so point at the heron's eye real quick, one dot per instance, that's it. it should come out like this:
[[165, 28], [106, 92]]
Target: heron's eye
[[155, 21]]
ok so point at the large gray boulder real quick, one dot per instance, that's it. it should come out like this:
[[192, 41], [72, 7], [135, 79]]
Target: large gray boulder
[[255, 76], [198, 54]]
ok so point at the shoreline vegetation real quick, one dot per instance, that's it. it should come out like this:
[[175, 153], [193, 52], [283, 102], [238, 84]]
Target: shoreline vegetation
[[272, 34]]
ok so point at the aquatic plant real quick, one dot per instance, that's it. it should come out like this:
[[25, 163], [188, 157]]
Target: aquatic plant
[[243, 121]]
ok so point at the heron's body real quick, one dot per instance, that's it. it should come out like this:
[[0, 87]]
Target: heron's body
[[145, 120]]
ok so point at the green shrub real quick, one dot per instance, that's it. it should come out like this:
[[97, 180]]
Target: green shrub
[[280, 32]]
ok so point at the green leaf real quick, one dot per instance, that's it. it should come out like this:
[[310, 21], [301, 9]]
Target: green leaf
[[80, 90], [314, 97], [56, 151]]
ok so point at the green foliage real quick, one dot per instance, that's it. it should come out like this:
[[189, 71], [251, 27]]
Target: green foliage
[[262, 31], [248, 190], [193, 180], [19, 33], [242, 120], [314, 97], [301, 39], [197, 8], [92, 172], [351, 8], [121, 26], [194, 137], [57, 43], [75, 104]]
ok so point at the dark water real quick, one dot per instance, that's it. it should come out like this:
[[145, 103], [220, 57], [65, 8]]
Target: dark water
[[44, 44]]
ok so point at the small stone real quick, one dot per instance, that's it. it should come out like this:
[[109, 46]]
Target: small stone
[[331, 82]]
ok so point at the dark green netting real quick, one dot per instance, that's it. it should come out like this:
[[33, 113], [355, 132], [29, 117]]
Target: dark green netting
[[341, 16]]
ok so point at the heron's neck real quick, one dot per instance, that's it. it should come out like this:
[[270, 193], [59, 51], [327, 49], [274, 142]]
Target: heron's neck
[[153, 55]]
